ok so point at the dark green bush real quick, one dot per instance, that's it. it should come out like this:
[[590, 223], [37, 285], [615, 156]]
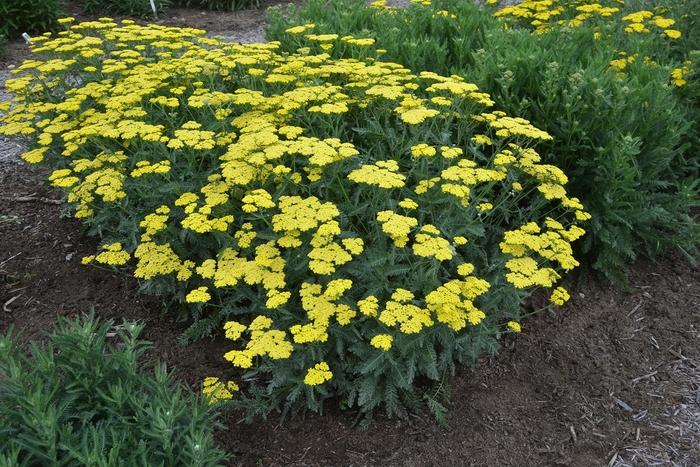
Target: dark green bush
[[220, 5], [30, 16], [140, 8], [81, 401], [625, 141]]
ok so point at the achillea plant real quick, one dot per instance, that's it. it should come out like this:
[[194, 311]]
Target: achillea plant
[[353, 227]]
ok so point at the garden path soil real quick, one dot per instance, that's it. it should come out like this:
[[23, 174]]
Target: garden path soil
[[612, 379]]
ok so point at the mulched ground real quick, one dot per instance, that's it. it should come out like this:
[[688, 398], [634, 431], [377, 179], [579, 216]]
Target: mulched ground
[[612, 379]]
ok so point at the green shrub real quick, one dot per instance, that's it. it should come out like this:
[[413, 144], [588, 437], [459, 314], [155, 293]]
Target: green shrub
[[82, 401], [356, 228], [621, 137], [220, 5], [138, 8], [30, 16]]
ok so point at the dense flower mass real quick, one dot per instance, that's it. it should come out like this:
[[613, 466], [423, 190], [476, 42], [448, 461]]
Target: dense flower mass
[[541, 15], [346, 211]]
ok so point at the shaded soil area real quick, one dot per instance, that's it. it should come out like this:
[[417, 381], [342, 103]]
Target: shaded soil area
[[594, 383]]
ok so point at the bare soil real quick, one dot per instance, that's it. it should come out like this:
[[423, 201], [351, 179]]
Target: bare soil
[[612, 379]]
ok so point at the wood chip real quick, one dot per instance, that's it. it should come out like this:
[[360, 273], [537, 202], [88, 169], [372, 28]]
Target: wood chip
[[636, 380], [29, 199], [7, 303], [623, 404]]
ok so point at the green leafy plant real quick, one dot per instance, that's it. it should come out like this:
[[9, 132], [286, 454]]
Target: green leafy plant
[[30, 16], [81, 400], [620, 135]]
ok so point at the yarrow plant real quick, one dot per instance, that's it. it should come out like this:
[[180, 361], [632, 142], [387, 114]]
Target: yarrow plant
[[353, 227]]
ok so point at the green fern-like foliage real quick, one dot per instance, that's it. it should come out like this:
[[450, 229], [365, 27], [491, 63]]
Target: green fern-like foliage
[[81, 401]]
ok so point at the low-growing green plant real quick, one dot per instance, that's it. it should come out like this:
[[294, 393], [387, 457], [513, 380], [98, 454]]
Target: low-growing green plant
[[620, 131], [355, 228], [30, 16], [138, 8], [79, 400]]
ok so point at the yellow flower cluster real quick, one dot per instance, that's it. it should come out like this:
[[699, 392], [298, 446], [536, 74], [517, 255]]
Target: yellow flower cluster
[[641, 21], [543, 14], [112, 254], [559, 296], [429, 244], [383, 174], [319, 374], [215, 390], [382, 342], [396, 226], [198, 295], [679, 75], [553, 244], [320, 306], [620, 64], [263, 341], [453, 302], [514, 326], [231, 161], [399, 311]]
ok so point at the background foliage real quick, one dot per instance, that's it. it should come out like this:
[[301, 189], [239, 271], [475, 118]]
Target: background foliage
[[81, 400], [138, 8], [220, 5], [30, 16]]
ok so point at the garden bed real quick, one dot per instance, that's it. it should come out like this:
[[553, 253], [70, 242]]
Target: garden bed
[[613, 377]]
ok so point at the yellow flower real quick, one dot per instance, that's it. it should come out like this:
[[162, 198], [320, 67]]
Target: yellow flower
[[408, 203], [319, 374], [459, 240], [382, 341], [423, 150], [396, 226], [383, 174], [198, 295], [559, 296], [429, 244], [672, 33], [215, 390], [113, 255], [234, 330], [514, 326], [484, 207]]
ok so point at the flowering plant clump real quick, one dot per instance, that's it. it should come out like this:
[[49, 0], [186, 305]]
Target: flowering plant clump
[[350, 225]]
